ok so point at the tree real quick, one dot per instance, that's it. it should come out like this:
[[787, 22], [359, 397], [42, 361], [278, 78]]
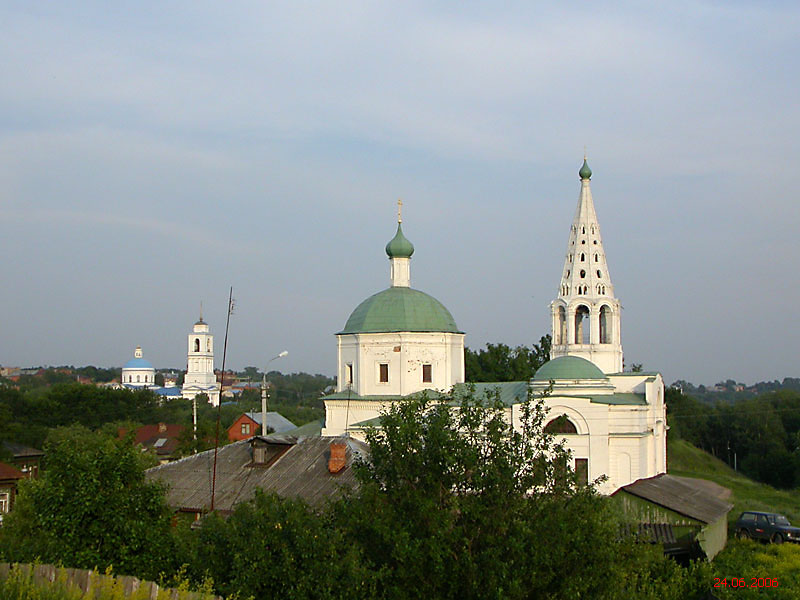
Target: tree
[[455, 503], [91, 508], [273, 547], [499, 362]]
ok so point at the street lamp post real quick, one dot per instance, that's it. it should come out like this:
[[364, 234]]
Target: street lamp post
[[264, 391]]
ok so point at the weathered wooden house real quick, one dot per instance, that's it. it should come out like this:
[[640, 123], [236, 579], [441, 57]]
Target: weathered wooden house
[[688, 516]]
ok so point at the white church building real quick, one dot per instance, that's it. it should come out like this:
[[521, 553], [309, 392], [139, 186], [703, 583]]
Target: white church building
[[138, 372], [200, 377], [401, 341]]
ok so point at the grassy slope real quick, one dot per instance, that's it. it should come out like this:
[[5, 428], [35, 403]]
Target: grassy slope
[[684, 459]]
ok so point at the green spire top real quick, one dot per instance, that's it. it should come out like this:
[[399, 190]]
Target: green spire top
[[585, 172], [399, 247]]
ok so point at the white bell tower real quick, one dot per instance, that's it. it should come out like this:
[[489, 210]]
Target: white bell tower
[[586, 314], [200, 377]]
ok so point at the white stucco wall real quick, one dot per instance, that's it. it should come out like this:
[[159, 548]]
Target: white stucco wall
[[405, 353]]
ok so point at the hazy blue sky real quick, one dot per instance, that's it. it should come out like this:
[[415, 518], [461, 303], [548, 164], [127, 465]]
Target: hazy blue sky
[[152, 154]]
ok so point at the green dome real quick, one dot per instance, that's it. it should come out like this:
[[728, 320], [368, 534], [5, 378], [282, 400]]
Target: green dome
[[585, 172], [399, 247], [568, 367], [400, 309]]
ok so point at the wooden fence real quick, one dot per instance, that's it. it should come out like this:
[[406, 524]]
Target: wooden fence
[[90, 583]]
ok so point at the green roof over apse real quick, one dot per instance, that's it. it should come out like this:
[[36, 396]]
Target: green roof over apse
[[399, 246], [400, 309], [568, 367]]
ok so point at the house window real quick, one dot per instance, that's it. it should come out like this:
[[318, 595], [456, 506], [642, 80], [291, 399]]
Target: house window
[[427, 373], [383, 373], [5, 502], [245, 428], [582, 471], [349, 377]]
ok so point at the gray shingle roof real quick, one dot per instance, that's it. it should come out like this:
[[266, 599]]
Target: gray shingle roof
[[300, 470], [683, 496]]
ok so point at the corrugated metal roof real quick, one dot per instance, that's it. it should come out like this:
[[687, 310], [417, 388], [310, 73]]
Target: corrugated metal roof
[[275, 420], [299, 471], [620, 399], [509, 392], [684, 496]]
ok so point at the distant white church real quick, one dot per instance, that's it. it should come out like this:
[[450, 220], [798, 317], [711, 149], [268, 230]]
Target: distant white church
[[401, 341], [200, 377], [138, 372]]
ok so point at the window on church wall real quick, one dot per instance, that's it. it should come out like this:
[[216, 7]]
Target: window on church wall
[[582, 471], [197, 344], [137, 379], [583, 273], [599, 274], [582, 325], [383, 373], [427, 373], [605, 325], [583, 229], [348, 378], [583, 257], [208, 345]]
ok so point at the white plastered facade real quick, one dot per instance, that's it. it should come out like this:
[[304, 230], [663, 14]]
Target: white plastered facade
[[621, 442]]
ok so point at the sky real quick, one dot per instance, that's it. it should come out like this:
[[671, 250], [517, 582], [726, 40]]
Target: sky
[[155, 154]]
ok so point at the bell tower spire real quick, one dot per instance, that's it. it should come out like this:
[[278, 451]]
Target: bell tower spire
[[586, 314]]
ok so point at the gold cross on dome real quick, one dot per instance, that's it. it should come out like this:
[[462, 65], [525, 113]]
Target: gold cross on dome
[[399, 210]]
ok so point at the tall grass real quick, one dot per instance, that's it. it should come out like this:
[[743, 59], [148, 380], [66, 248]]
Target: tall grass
[[687, 460]]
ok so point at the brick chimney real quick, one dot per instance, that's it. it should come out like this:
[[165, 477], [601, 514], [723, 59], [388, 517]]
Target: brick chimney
[[338, 458]]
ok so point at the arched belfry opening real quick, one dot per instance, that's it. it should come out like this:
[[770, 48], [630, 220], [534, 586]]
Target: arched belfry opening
[[605, 325], [197, 344], [582, 325]]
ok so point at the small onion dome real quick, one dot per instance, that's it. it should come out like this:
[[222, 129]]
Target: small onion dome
[[585, 172], [399, 247]]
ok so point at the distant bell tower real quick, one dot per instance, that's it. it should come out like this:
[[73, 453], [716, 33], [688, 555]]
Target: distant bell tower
[[200, 377], [586, 314]]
